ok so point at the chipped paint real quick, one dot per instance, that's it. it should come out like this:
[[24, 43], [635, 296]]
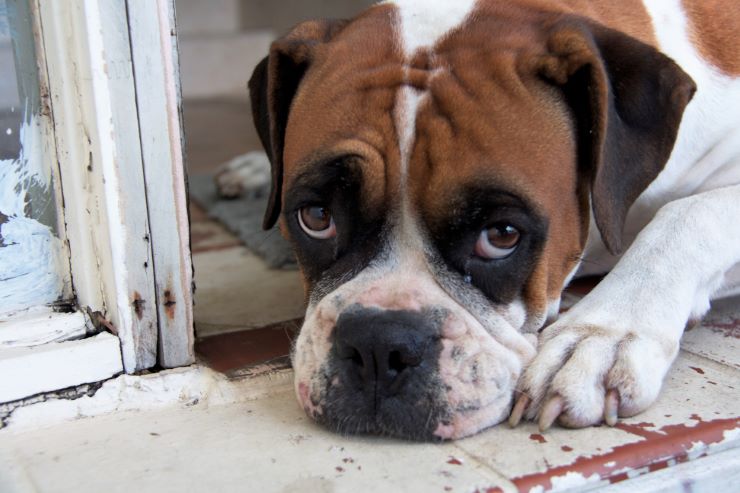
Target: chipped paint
[[31, 262], [728, 328], [572, 479], [660, 448]]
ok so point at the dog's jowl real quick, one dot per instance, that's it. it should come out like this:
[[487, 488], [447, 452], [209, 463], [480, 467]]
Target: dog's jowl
[[444, 168]]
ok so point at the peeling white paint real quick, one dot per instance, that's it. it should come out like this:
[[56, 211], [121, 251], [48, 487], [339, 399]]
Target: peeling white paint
[[572, 479], [729, 439], [179, 387], [30, 259]]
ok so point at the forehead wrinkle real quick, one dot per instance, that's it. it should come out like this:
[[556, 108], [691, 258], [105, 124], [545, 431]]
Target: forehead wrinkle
[[311, 173]]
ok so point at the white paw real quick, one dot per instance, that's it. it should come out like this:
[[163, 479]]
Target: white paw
[[245, 175], [584, 375]]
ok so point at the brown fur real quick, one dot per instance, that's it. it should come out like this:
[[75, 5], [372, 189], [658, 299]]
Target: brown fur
[[347, 108], [714, 27]]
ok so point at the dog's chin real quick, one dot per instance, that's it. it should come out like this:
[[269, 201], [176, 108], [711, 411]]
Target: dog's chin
[[436, 421], [395, 420]]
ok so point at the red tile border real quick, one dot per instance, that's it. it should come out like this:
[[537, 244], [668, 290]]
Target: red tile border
[[659, 449], [235, 351]]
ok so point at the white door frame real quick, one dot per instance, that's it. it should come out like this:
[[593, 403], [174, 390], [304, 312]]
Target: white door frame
[[117, 118], [109, 78]]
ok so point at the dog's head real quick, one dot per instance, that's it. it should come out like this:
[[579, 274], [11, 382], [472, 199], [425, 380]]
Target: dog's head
[[438, 190]]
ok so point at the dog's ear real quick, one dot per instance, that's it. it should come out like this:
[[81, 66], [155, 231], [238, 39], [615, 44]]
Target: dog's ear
[[628, 100], [272, 87]]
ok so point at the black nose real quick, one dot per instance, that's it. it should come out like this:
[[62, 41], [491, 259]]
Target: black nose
[[378, 350]]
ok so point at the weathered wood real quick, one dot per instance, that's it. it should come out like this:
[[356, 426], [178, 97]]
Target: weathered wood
[[93, 101], [156, 69], [42, 327], [31, 370]]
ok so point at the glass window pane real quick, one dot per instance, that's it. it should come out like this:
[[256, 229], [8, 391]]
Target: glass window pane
[[32, 268]]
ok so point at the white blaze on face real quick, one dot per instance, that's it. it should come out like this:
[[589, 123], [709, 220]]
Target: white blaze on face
[[421, 24]]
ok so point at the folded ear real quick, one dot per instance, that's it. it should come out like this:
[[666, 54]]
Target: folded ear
[[272, 87], [628, 100]]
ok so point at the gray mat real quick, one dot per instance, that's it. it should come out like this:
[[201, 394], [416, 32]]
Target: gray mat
[[243, 217]]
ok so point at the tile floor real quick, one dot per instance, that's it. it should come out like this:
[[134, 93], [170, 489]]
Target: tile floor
[[256, 438]]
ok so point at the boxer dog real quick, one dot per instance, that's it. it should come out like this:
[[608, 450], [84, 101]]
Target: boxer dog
[[444, 168]]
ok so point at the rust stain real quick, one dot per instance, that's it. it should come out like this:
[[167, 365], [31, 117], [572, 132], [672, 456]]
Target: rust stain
[[537, 438], [566, 448], [169, 304], [662, 447], [731, 328], [454, 461], [697, 370], [138, 304]]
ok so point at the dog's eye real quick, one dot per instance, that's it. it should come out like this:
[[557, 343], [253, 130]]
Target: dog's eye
[[497, 242], [317, 222]]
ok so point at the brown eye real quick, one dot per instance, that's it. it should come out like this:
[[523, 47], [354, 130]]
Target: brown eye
[[497, 242], [317, 222]]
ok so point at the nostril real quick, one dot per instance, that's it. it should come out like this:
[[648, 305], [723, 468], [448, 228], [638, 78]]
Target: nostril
[[356, 358], [352, 355], [395, 362]]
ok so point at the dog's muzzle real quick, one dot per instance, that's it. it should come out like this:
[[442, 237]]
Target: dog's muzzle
[[385, 366]]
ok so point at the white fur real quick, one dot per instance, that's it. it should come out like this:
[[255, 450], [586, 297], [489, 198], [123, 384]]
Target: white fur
[[424, 23], [624, 335]]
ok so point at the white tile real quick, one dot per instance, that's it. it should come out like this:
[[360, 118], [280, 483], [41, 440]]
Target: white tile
[[718, 336], [235, 290], [265, 445]]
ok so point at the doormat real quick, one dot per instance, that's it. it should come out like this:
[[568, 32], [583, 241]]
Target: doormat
[[243, 217]]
